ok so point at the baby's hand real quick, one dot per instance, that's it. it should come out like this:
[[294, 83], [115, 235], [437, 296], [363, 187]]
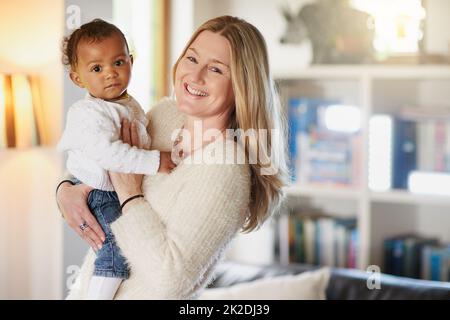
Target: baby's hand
[[166, 164]]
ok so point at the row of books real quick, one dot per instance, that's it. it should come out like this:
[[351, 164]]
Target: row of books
[[326, 147], [318, 240], [417, 257], [320, 151], [418, 145]]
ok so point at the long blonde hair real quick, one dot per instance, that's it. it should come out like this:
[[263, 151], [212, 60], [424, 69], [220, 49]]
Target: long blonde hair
[[257, 106]]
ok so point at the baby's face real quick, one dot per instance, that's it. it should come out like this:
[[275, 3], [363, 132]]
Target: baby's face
[[103, 68]]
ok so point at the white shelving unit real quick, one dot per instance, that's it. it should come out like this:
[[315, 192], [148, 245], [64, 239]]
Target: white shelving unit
[[377, 89]]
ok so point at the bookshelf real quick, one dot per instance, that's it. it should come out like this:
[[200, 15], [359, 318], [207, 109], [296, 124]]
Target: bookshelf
[[375, 90]]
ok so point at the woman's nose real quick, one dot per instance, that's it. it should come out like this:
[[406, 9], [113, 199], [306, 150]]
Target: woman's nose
[[197, 75]]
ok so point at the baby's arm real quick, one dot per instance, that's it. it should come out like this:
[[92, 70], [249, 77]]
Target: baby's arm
[[95, 131]]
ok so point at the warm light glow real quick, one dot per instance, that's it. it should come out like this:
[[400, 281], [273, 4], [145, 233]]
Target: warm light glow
[[17, 112], [397, 24], [380, 145], [2, 111], [24, 115], [341, 118], [434, 183]]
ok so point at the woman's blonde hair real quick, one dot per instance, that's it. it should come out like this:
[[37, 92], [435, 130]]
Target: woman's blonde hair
[[257, 107]]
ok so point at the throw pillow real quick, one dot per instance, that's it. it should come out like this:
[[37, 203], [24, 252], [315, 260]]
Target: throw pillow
[[309, 285]]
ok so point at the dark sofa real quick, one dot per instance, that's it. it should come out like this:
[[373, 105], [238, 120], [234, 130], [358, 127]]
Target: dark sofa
[[344, 284]]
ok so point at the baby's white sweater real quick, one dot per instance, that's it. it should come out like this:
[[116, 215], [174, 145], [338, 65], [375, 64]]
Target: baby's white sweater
[[174, 237], [92, 141]]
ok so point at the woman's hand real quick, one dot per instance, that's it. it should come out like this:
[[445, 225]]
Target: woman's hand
[[72, 201], [127, 184]]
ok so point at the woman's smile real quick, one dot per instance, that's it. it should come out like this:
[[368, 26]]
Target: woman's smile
[[194, 92]]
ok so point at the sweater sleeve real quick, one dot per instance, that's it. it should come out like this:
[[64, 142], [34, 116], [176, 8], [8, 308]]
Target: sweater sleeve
[[96, 131], [208, 211]]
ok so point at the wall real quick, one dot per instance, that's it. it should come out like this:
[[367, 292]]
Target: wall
[[267, 17], [30, 226], [181, 28], [437, 37]]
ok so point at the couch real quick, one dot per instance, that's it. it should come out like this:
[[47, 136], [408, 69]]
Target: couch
[[343, 284]]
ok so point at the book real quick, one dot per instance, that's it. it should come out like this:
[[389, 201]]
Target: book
[[404, 152], [436, 259], [299, 246], [302, 116], [309, 227], [320, 153], [404, 255]]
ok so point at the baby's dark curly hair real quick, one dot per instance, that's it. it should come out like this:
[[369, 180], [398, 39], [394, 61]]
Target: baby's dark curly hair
[[93, 31]]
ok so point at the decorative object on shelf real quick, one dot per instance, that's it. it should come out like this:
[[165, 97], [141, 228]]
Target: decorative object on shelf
[[399, 30], [21, 117], [338, 32]]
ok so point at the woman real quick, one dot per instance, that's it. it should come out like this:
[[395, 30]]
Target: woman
[[173, 237]]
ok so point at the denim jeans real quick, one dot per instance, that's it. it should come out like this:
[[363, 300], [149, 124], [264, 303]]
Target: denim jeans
[[106, 208]]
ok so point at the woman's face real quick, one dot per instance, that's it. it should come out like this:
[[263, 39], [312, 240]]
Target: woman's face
[[203, 78]]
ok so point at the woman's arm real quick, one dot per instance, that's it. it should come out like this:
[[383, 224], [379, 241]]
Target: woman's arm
[[128, 185], [72, 202]]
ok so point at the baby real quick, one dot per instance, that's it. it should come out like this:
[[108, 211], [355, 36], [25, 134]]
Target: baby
[[99, 61]]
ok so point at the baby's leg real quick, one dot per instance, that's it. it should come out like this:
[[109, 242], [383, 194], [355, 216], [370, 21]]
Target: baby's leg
[[103, 288], [110, 267]]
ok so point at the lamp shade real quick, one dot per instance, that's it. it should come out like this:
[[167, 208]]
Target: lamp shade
[[20, 116]]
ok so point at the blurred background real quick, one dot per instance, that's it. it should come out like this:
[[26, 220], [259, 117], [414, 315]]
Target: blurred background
[[366, 88]]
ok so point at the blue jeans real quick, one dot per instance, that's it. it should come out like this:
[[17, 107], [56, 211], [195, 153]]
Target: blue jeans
[[106, 208]]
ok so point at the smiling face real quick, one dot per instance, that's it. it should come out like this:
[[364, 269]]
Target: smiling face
[[203, 85], [103, 67]]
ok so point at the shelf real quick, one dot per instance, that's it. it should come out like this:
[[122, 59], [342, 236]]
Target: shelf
[[324, 192], [405, 197], [373, 71], [375, 88]]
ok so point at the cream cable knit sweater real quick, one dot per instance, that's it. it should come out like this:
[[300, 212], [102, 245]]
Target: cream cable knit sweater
[[92, 141], [173, 238]]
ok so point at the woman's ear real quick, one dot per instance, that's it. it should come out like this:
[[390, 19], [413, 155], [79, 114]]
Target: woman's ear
[[75, 77], [131, 58]]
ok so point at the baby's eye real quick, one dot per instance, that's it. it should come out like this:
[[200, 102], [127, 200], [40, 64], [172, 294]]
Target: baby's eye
[[192, 59], [96, 69], [119, 62]]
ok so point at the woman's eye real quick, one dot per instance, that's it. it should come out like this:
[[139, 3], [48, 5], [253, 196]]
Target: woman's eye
[[96, 69], [192, 59], [119, 62], [217, 70]]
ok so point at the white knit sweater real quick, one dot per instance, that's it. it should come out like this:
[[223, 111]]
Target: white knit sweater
[[173, 238], [91, 139]]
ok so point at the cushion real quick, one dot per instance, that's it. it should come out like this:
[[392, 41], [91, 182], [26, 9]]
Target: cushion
[[309, 285]]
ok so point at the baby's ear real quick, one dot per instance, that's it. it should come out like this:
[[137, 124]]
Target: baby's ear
[[75, 77]]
